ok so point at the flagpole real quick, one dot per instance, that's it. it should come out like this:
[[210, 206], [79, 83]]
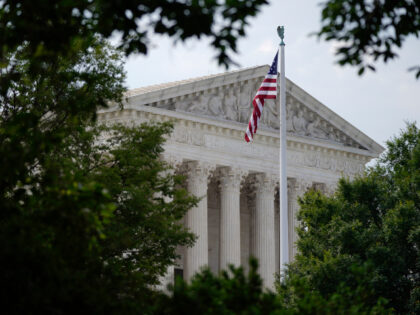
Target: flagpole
[[284, 231]]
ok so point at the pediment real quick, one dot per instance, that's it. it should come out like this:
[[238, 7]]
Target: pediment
[[228, 97]]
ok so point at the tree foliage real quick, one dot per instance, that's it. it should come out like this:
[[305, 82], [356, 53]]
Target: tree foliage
[[368, 31], [95, 226], [367, 235], [234, 292], [52, 27], [52, 53], [89, 214], [37, 108]]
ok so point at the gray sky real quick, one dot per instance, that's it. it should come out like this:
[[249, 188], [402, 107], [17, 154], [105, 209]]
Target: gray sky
[[377, 103]]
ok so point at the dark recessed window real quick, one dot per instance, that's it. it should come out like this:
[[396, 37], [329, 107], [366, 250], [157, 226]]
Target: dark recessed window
[[178, 273]]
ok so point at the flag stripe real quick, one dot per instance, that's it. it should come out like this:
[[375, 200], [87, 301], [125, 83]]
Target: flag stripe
[[267, 92], [267, 88], [265, 84]]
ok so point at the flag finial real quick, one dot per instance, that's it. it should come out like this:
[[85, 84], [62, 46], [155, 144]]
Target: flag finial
[[280, 31]]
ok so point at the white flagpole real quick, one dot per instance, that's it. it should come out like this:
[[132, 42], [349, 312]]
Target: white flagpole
[[284, 231]]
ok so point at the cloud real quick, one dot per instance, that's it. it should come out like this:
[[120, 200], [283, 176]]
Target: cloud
[[266, 47]]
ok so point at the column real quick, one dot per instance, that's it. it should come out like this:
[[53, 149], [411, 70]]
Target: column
[[297, 187], [168, 278], [292, 208], [264, 243], [230, 217], [330, 188], [196, 218]]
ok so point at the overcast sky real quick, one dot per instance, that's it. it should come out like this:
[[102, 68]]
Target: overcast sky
[[377, 103]]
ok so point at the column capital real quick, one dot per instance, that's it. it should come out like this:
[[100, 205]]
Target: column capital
[[293, 187], [173, 160], [173, 163], [302, 185], [330, 188], [265, 182], [231, 177], [199, 171]]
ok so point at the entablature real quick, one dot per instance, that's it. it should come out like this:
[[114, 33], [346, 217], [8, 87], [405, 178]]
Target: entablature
[[191, 129]]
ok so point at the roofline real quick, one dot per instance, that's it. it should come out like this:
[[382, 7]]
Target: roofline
[[194, 85]]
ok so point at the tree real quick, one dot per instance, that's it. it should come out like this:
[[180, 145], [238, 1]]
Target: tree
[[38, 108], [81, 229], [94, 227], [51, 27], [45, 43], [86, 222], [234, 292], [51, 54], [368, 31], [366, 237], [231, 292]]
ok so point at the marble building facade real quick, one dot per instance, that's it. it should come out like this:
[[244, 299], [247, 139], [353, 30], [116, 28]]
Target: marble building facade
[[238, 215]]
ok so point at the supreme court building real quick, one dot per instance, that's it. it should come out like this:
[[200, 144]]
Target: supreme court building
[[238, 215]]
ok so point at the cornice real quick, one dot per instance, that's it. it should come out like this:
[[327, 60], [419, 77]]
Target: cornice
[[230, 129]]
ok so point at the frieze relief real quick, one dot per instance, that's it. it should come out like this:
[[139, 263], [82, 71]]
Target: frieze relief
[[187, 135], [303, 122], [315, 159], [225, 102], [324, 161], [230, 145], [308, 158], [234, 102]]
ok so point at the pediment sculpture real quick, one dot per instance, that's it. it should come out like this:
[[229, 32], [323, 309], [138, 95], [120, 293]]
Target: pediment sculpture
[[234, 102]]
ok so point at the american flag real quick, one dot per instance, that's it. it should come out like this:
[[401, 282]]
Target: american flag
[[267, 90]]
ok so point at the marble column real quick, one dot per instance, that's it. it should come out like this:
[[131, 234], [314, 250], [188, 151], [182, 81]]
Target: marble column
[[230, 217], [292, 224], [196, 218], [297, 188], [175, 163], [330, 188], [264, 242]]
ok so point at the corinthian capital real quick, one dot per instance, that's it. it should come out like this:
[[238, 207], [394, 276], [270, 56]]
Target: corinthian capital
[[173, 160], [199, 171], [231, 177], [302, 186], [266, 183], [330, 188]]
